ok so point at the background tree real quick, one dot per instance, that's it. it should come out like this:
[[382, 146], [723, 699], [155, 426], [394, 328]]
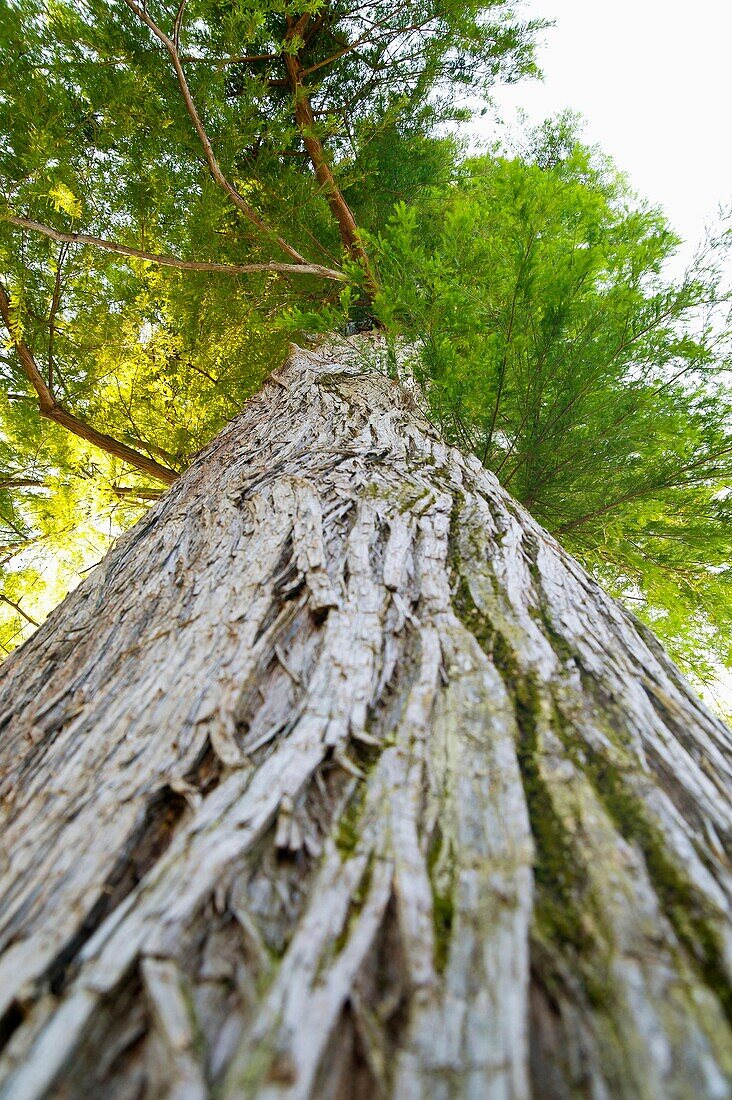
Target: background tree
[[553, 344]]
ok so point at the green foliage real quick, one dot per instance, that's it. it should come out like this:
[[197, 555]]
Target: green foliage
[[550, 341], [530, 288], [97, 138]]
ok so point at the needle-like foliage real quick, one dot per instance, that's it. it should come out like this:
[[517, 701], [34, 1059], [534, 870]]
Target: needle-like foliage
[[555, 345], [185, 187]]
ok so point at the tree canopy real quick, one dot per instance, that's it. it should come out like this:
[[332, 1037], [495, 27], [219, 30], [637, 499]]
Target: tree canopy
[[553, 344], [185, 188]]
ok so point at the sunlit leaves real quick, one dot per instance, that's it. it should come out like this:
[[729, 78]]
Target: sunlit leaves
[[552, 345], [64, 199], [549, 340]]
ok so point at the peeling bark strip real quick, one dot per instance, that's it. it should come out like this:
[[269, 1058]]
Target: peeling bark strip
[[340, 778]]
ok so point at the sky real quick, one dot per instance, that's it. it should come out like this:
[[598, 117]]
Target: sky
[[653, 80]]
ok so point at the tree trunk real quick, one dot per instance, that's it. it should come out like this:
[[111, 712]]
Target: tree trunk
[[340, 778]]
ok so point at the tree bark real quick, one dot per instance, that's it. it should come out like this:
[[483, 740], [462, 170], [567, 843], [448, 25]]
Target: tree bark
[[340, 778]]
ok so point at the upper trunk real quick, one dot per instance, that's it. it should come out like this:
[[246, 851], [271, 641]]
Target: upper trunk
[[339, 777]]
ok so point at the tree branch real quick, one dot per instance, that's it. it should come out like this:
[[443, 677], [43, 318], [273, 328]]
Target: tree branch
[[238, 200], [52, 410], [336, 56], [20, 483], [243, 59], [178, 21], [19, 609], [55, 303], [306, 124], [173, 261], [140, 494]]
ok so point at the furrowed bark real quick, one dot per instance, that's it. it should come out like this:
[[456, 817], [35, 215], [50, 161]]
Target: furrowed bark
[[339, 777]]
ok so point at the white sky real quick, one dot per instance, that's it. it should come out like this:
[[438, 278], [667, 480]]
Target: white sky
[[653, 80]]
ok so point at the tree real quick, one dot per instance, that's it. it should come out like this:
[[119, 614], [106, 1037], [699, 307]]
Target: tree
[[180, 144], [551, 342], [358, 785], [338, 776]]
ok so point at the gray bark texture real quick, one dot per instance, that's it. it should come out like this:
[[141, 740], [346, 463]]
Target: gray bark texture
[[339, 778]]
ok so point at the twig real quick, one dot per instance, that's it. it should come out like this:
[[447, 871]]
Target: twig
[[19, 609]]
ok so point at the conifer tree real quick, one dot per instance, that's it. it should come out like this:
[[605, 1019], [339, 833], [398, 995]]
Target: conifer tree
[[339, 776]]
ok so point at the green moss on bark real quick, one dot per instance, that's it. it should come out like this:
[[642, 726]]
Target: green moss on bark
[[690, 915], [441, 870]]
